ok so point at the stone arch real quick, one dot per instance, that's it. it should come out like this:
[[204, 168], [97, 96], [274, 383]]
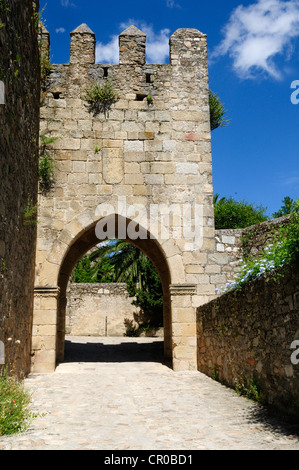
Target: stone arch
[[50, 298], [81, 244]]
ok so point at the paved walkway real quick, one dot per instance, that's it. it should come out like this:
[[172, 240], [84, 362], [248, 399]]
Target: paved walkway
[[114, 394]]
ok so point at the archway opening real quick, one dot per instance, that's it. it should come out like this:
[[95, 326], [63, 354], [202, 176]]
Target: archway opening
[[147, 245]]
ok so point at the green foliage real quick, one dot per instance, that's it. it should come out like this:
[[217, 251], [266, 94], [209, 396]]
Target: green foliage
[[125, 260], [45, 67], [289, 206], [30, 214], [100, 97], [286, 245], [82, 272], [120, 261], [148, 296], [85, 271], [3, 12], [282, 253], [46, 164], [215, 375], [47, 140], [217, 112], [45, 173], [4, 9], [252, 391], [149, 99], [37, 19], [15, 415], [230, 213]]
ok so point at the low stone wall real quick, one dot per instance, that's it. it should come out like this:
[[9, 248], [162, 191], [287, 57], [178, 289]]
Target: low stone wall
[[247, 334], [229, 252], [101, 310], [232, 245], [256, 237]]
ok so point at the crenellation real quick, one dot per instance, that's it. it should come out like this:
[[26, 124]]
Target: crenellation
[[132, 46], [83, 45]]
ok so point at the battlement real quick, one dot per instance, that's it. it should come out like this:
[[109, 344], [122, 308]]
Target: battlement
[[186, 46]]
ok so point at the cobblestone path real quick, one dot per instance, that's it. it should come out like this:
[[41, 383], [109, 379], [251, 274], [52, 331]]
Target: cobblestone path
[[115, 394]]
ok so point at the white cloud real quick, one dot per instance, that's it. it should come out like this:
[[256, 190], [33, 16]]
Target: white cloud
[[292, 180], [157, 44], [108, 53], [172, 4], [60, 30], [67, 3], [256, 34]]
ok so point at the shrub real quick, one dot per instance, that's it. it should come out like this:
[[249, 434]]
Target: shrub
[[230, 214], [283, 252], [101, 97], [15, 415], [46, 164]]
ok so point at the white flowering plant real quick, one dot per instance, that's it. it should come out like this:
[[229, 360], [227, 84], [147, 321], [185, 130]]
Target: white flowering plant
[[282, 252]]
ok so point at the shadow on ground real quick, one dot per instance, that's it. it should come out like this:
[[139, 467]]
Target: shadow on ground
[[275, 421], [122, 352]]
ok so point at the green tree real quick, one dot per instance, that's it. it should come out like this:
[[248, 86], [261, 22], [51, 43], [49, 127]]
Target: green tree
[[217, 112], [289, 206], [230, 214], [148, 296], [120, 261], [85, 271], [125, 260]]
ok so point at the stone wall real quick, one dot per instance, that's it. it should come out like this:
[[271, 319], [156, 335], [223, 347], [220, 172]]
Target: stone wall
[[232, 245], [248, 334], [99, 310], [142, 153], [256, 237], [19, 117], [227, 256]]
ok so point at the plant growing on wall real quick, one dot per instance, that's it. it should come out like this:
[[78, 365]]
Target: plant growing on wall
[[46, 164], [217, 112], [45, 68], [45, 65], [100, 97], [30, 214], [149, 99], [282, 254]]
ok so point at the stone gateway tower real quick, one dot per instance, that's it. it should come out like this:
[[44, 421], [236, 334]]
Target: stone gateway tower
[[136, 166]]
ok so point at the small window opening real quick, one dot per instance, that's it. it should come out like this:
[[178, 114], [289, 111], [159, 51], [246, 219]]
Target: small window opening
[[148, 78], [105, 69], [56, 95], [140, 97]]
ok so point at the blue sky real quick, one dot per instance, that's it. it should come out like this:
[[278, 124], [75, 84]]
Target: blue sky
[[253, 50]]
